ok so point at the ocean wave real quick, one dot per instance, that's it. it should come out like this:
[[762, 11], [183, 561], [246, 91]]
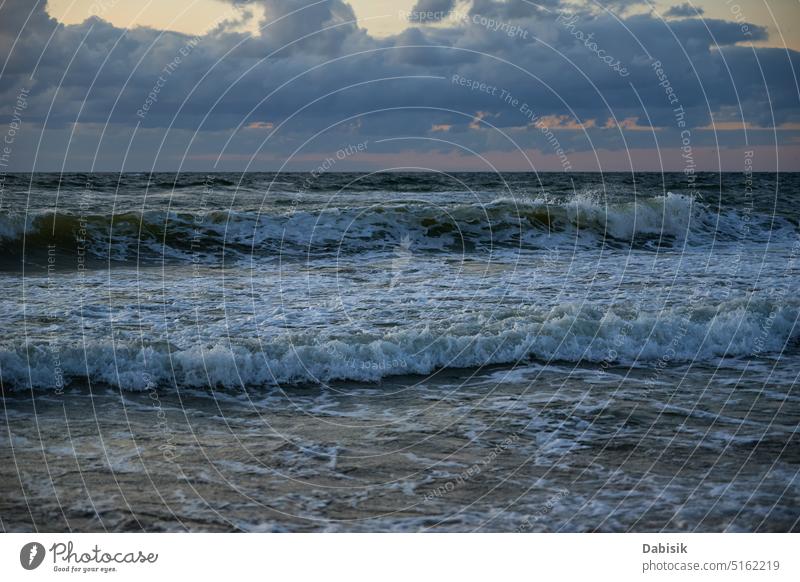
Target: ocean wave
[[573, 333], [655, 222]]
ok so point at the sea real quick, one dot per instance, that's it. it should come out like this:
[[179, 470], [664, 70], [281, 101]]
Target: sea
[[400, 351]]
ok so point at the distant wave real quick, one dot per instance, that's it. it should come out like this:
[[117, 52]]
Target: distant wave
[[566, 333], [660, 221]]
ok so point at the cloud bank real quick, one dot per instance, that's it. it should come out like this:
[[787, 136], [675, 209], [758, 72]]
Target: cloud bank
[[488, 78]]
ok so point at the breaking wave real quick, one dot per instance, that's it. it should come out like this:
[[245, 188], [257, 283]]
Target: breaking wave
[[734, 328], [654, 222]]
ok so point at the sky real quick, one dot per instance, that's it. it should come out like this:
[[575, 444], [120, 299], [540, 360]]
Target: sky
[[442, 85]]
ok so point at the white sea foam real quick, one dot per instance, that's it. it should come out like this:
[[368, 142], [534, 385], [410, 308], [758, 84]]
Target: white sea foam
[[568, 333], [584, 219]]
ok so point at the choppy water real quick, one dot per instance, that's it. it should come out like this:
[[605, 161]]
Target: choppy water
[[401, 351]]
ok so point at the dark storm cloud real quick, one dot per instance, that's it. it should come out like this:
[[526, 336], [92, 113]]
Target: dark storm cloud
[[312, 69], [431, 10], [684, 10], [510, 9]]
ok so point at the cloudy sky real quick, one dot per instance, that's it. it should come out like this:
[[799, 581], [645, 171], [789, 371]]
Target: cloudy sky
[[438, 84]]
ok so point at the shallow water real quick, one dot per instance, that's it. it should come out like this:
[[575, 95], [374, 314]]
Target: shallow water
[[400, 352], [556, 448]]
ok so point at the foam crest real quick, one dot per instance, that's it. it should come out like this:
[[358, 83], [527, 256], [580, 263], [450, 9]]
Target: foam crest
[[568, 332], [584, 220]]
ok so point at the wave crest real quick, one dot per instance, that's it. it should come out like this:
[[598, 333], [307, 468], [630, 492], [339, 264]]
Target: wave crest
[[570, 332], [584, 221]]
